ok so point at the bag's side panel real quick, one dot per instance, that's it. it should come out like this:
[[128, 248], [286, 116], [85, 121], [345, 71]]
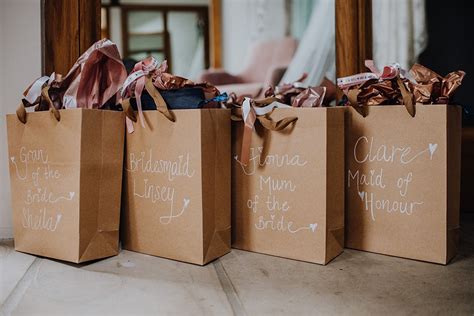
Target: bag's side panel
[[454, 127], [101, 182], [162, 211], [215, 153], [44, 175], [335, 182], [396, 182]]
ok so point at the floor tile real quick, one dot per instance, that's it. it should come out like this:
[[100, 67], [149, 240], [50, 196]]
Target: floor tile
[[13, 266], [129, 284], [356, 282]]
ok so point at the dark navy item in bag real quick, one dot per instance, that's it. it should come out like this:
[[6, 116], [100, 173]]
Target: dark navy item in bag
[[176, 99]]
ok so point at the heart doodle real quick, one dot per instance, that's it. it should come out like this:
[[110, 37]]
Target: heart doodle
[[432, 148], [313, 226], [362, 194]]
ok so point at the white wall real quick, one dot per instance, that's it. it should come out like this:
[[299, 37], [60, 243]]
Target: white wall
[[20, 64]]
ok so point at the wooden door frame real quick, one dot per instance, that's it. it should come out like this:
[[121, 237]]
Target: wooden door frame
[[353, 36], [69, 27], [215, 29], [201, 10]]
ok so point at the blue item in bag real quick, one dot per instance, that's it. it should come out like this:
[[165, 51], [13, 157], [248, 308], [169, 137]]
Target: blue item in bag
[[176, 99]]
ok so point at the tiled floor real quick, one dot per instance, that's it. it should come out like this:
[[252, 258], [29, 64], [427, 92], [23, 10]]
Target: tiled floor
[[240, 283]]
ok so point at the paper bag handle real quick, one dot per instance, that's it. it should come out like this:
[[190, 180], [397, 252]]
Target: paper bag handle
[[21, 111], [157, 99], [264, 119], [407, 97], [270, 124]]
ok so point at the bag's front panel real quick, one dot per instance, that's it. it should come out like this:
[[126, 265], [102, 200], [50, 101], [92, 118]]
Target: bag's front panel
[[101, 182], [396, 182], [279, 198], [44, 163], [162, 187]]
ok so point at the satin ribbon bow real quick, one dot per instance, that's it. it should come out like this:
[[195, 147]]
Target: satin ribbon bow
[[135, 82], [251, 111], [95, 77]]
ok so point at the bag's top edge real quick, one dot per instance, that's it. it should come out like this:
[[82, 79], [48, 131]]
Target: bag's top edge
[[403, 106], [188, 110]]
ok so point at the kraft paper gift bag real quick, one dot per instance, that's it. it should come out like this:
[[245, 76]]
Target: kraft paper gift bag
[[65, 165], [403, 181], [288, 189], [403, 163], [176, 194], [65, 175]]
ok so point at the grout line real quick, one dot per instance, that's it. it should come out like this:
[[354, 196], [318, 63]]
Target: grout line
[[12, 301], [229, 289]]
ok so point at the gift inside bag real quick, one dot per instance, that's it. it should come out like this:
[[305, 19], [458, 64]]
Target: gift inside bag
[[396, 86], [89, 83], [177, 92], [184, 98]]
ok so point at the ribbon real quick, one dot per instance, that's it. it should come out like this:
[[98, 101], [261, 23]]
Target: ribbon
[[258, 110], [34, 92], [135, 83], [96, 77], [388, 72], [393, 71], [157, 99], [44, 93]]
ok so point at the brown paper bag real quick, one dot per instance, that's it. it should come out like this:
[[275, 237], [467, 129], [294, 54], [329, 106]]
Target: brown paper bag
[[288, 201], [66, 183], [403, 181], [176, 196]]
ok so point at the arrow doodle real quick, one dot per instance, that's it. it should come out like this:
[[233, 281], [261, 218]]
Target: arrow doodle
[[311, 227], [167, 219], [67, 198]]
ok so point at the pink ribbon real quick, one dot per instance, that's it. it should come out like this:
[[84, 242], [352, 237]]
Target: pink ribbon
[[135, 83], [95, 77], [249, 115]]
